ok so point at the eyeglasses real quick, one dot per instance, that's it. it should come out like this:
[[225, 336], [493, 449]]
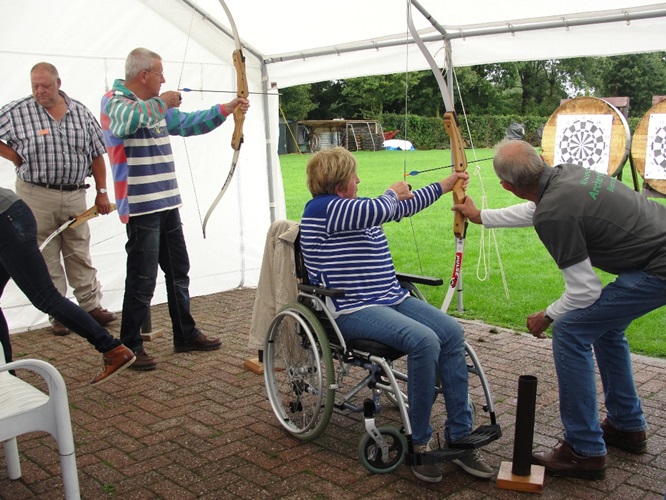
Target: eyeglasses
[[160, 73]]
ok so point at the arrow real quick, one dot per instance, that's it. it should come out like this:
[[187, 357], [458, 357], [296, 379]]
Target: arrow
[[185, 89], [417, 172]]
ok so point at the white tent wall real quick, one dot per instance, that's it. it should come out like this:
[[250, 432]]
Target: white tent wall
[[88, 44]]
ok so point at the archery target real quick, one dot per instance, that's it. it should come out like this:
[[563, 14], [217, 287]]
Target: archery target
[[583, 140], [587, 131], [655, 155]]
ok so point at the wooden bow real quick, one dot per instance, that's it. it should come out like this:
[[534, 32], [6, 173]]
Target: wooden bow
[[239, 116], [73, 222], [458, 158]]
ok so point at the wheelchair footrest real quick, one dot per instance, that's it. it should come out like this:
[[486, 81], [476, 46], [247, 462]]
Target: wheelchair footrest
[[481, 436]]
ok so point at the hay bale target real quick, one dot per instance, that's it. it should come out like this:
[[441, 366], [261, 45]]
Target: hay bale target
[[648, 149]]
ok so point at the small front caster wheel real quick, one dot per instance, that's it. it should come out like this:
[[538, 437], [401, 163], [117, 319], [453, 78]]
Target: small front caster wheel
[[372, 456]]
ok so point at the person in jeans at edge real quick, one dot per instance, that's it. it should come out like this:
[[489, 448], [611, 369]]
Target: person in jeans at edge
[[136, 122], [344, 247], [21, 260], [587, 219]]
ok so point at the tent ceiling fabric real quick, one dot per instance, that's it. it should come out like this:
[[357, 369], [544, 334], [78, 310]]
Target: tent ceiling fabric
[[89, 40], [299, 30]]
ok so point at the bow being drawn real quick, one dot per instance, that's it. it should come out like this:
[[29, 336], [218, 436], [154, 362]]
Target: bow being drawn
[[73, 222], [458, 158], [239, 117]]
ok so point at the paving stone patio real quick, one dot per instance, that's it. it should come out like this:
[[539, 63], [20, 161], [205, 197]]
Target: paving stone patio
[[200, 426]]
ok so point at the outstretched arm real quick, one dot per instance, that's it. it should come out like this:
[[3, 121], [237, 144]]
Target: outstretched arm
[[519, 215]]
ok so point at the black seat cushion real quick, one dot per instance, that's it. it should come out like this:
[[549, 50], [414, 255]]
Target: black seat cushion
[[376, 348]]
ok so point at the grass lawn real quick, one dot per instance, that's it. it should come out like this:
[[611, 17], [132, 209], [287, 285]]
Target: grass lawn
[[425, 244]]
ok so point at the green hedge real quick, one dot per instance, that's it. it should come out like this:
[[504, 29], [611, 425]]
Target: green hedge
[[486, 130]]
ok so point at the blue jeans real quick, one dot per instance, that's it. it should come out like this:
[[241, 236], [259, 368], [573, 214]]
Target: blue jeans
[[600, 327], [21, 260], [156, 240], [434, 343]]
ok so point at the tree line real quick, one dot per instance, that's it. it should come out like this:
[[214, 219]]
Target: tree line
[[530, 88]]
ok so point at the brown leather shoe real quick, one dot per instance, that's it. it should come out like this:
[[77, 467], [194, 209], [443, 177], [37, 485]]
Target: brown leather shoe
[[59, 329], [632, 442], [102, 316], [144, 362], [115, 361], [563, 461], [198, 343]]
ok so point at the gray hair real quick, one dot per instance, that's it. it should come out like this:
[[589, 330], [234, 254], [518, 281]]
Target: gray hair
[[518, 163], [48, 67], [139, 60]]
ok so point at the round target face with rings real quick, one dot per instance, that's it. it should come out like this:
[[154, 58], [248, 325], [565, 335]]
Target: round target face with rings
[[648, 150], [583, 143], [589, 132], [658, 148]]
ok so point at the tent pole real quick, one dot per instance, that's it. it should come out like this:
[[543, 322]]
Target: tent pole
[[270, 142], [432, 20]]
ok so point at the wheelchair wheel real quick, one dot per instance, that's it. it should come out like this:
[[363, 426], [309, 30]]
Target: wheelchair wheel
[[298, 372], [372, 456]]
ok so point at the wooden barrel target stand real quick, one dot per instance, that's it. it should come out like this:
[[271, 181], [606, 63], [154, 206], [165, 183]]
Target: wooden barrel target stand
[[640, 149], [585, 140]]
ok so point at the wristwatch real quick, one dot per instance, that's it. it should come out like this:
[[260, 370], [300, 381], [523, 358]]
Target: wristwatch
[[102, 191]]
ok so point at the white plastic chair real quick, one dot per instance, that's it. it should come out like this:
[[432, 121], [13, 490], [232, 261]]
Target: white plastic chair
[[24, 408]]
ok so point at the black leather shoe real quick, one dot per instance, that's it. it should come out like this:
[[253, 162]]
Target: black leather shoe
[[143, 361], [198, 343], [563, 461], [632, 442]]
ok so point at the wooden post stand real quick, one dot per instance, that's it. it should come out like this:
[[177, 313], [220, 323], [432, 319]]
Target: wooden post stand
[[147, 332], [522, 475], [255, 365]]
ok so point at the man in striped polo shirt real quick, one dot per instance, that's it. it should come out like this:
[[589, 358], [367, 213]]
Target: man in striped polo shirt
[[137, 121]]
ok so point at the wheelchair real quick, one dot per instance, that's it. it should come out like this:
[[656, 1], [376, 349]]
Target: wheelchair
[[306, 361]]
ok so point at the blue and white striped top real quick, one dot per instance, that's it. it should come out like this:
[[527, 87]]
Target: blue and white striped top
[[344, 246]]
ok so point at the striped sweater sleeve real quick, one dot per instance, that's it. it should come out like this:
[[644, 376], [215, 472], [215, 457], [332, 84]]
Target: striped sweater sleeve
[[195, 122], [126, 116], [347, 214]]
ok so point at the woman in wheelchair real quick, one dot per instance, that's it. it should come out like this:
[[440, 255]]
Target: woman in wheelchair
[[344, 247]]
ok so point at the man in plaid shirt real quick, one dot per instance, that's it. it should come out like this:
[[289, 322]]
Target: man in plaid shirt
[[55, 142]]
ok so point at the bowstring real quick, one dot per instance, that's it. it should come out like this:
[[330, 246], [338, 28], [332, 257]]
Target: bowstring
[[62, 256], [483, 262], [404, 151], [180, 81]]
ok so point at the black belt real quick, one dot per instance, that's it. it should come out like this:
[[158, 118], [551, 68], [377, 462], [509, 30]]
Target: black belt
[[60, 187]]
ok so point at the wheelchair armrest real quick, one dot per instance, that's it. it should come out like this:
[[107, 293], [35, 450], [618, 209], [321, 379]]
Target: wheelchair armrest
[[420, 280], [321, 291]]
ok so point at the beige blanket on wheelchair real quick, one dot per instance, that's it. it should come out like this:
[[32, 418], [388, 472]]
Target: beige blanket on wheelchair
[[277, 281]]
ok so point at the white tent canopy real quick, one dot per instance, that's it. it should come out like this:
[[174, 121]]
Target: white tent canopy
[[286, 43]]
